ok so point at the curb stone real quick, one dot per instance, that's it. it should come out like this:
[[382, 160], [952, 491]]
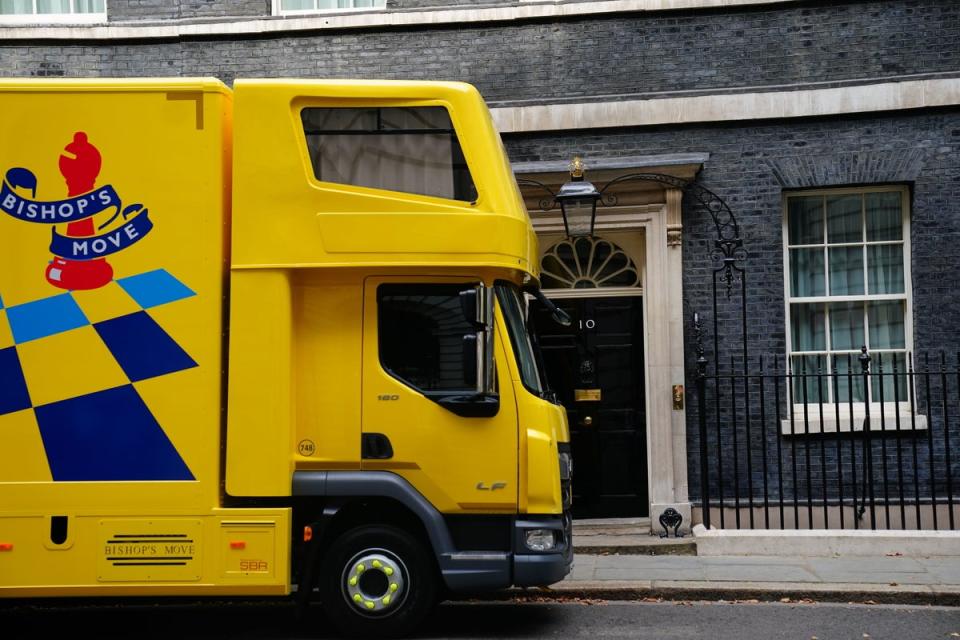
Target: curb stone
[[678, 590], [672, 549]]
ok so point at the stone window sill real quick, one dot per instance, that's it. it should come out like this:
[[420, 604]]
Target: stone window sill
[[829, 424]]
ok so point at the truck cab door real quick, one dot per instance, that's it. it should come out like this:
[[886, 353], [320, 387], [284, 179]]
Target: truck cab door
[[422, 418]]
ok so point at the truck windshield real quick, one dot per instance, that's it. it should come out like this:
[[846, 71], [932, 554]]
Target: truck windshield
[[512, 305]]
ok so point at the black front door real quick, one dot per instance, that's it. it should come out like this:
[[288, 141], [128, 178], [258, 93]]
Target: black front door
[[596, 367]]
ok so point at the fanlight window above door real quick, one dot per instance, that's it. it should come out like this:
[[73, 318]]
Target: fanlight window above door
[[587, 263]]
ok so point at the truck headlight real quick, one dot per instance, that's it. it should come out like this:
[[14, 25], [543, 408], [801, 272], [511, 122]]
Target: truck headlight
[[541, 539]]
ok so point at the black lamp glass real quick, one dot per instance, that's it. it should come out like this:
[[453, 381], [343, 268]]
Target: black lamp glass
[[578, 203]]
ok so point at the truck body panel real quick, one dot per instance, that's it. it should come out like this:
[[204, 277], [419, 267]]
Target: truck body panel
[[113, 394], [206, 380]]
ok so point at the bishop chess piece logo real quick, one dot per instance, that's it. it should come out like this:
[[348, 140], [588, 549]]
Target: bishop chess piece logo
[[80, 171], [80, 254]]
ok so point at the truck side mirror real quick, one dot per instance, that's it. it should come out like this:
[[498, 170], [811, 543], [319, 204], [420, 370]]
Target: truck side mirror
[[477, 307], [470, 360], [472, 305], [479, 367]]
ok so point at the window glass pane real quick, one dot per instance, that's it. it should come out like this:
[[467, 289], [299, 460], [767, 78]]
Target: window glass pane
[[805, 379], [53, 6], [846, 325], [844, 219], [849, 376], [806, 273], [422, 331], [885, 268], [887, 328], [413, 150], [296, 5], [894, 385], [808, 327], [805, 220], [16, 6], [884, 216], [846, 271], [512, 307], [88, 6]]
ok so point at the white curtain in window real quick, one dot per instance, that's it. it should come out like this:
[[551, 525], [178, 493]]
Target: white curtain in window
[[887, 329], [885, 268], [808, 325], [846, 326], [88, 6], [53, 6], [884, 217], [9, 7], [845, 219], [807, 273]]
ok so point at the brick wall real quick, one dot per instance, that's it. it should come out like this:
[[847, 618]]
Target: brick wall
[[549, 61]]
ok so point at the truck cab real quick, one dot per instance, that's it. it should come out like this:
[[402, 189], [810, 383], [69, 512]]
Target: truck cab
[[396, 269]]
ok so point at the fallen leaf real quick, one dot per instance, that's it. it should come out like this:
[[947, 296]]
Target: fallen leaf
[[894, 554]]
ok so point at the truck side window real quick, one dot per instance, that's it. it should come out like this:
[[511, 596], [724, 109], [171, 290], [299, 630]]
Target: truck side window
[[421, 334], [408, 149]]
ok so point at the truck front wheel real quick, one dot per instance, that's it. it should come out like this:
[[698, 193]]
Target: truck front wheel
[[377, 581]]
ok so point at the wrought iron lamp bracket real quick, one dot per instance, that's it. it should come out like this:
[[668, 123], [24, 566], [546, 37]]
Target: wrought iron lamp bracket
[[728, 250]]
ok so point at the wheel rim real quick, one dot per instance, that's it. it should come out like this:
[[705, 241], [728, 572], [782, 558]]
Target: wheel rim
[[374, 582]]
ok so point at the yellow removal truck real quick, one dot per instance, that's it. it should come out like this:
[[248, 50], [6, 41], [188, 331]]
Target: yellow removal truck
[[270, 339]]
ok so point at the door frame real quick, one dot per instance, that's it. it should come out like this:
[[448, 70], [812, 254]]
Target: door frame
[[662, 287]]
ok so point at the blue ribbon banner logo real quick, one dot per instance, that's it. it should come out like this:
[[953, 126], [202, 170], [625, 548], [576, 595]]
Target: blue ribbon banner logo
[[135, 224]]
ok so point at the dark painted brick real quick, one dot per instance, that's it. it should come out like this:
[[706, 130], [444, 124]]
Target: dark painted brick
[[621, 54]]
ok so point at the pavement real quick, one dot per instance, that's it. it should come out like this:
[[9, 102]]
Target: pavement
[[620, 560], [275, 620]]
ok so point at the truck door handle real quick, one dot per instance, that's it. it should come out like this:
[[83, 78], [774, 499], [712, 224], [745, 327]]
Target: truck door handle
[[375, 446]]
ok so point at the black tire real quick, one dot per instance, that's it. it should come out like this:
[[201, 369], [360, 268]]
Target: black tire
[[379, 549]]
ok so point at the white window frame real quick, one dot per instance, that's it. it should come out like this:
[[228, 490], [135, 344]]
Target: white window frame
[[55, 18], [811, 422], [278, 10]]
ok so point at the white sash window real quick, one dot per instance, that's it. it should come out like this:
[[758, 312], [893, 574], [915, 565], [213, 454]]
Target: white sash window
[[847, 265], [38, 11]]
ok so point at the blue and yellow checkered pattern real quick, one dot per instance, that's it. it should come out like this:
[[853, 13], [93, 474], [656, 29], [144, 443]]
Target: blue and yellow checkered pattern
[[93, 423]]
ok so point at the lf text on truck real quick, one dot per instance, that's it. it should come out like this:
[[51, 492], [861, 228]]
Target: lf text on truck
[[270, 340]]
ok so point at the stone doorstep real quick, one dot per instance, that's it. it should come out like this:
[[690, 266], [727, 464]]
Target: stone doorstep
[[626, 536]]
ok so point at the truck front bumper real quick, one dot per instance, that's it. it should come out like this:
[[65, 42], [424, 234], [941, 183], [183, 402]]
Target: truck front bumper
[[533, 568], [479, 571]]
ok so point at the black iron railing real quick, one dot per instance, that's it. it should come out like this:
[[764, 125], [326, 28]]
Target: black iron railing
[[826, 442]]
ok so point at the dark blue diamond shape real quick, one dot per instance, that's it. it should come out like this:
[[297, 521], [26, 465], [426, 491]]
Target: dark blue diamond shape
[[107, 435], [13, 388], [141, 346]]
